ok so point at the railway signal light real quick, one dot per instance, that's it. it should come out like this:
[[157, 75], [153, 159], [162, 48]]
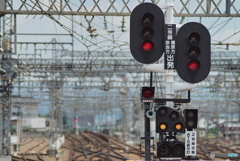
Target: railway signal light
[[75, 119], [164, 149], [147, 94], [191, 118], [170, 149], [193, 52], [169, 120], [147, 33]]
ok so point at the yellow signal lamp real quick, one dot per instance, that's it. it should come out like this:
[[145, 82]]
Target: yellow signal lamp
[[163, 126], [178, 126]]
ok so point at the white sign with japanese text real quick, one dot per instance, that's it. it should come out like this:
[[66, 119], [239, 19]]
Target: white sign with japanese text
[[170, 39], [190, 143]]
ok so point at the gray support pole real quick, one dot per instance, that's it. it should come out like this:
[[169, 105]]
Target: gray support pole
[[147, 132], [228, 5], [15, 34]]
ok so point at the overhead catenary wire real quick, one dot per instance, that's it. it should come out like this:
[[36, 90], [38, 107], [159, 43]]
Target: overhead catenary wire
[[69, 30]]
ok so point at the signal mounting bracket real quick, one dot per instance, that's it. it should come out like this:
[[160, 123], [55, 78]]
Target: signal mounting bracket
[[164, 100]]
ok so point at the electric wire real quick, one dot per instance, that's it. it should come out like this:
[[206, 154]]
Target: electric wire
[[66, 28], [81, 24], [90, 41]]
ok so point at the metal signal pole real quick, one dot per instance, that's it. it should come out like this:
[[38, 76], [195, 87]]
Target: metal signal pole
[[169, 73], [147, 132]]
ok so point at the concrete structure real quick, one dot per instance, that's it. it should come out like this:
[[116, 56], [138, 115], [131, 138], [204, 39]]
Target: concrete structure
[[34, 123]]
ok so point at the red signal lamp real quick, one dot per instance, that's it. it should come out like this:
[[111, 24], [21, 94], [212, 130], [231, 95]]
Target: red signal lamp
[[147, 94], [193, 65], [75, 119], [147, 46]]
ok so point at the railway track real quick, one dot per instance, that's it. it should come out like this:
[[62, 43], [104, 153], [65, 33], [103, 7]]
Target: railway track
[[26, 141], [89, 146], [34, 151], [92, 146], [123, 146], [207, 147], [106, 150], [103, 147]]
